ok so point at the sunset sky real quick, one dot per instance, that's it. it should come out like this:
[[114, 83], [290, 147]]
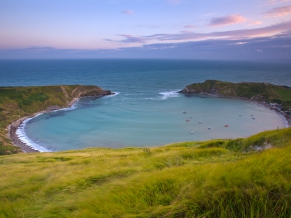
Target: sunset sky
[[195, 29]]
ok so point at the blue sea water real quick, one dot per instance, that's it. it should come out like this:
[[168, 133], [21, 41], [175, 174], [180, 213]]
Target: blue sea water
[[146, 109]]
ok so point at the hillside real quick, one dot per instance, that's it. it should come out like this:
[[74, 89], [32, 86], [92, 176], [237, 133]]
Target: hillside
[[219, 178], [247, 177], [18, 102], [260, 92]]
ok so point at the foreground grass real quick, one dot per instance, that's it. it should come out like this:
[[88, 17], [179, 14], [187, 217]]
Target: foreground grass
[[217, 178]]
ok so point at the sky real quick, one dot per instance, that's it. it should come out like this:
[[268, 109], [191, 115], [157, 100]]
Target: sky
[[175, 29]]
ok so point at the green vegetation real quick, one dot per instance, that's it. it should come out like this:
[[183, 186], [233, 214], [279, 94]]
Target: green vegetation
[[217, 178], [245, 177], [262, 92], [284, 93], [17, 102]]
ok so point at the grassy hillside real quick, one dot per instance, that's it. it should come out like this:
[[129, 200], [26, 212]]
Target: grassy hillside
[[262, 92], [218, 178], [17, 102], [247, 177]]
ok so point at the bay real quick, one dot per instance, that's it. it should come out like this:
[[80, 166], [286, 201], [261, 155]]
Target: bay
[[146, 109]]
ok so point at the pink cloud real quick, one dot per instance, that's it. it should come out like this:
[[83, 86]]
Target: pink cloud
[[189, 26], [234, 34], [241, 34], [227, 20], [279, 11], [255, 23], [127, 12], [272, 2]]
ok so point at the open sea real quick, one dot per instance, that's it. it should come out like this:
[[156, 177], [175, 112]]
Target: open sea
[[146, 109]]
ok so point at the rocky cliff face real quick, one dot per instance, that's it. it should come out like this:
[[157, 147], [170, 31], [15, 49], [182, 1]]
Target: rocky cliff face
[[83, 91]]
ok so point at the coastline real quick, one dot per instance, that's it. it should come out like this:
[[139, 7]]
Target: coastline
[[16, 140], [13, 127]]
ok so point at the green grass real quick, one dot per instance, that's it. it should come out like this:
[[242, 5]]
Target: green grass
[[284, 93], [216, 178]]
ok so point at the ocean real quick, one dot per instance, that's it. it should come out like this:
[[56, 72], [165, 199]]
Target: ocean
[[146, 109]]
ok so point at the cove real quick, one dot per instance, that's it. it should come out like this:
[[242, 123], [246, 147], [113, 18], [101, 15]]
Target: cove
[[147, 119]]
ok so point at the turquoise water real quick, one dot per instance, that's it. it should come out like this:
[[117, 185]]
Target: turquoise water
[[146, 109], [120, 121]]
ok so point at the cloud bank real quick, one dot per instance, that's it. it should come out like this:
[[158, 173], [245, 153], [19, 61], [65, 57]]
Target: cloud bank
[[231, 35], [274, 47], [279, 11]]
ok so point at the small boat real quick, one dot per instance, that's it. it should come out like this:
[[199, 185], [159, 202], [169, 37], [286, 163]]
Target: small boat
[[192, 132], [253, 118], [209, 128], [225, 125], [200, 122], [184, 112], [187, 120]]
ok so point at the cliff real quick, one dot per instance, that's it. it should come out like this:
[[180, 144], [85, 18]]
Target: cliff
[[22, 102]]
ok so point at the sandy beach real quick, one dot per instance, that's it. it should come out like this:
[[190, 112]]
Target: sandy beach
[[14, 138], [12, 128]]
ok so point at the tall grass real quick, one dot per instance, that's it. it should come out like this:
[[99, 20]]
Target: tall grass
[[217, 178]]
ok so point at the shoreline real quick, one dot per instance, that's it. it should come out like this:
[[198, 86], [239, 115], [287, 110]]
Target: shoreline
[[286, 117], [16, 141], [13, 127]]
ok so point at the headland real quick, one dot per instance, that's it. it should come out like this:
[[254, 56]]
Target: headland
[[19, 103], [272, 96]]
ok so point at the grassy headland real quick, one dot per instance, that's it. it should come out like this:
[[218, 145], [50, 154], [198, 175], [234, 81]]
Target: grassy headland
[[264, 93], [217, 178], [19, 102]]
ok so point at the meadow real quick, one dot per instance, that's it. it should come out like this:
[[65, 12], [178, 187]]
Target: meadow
[[218, 178]]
